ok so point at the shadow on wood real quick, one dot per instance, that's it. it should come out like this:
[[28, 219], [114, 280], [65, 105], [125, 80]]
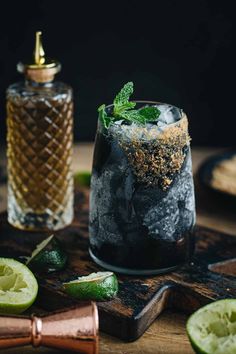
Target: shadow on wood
[[140, 299]]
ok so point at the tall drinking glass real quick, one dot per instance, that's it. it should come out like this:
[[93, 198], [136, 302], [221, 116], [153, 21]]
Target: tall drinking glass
[[142, 208]]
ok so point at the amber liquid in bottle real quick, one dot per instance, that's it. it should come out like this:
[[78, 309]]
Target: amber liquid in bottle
[[40, 180]]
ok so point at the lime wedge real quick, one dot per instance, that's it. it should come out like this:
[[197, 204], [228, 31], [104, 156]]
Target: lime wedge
[[212, 329], [48, 256], [18, 286], [83, 178], [95, 286]]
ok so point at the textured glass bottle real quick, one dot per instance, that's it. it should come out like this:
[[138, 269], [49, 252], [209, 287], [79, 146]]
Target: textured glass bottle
[[39, 121]]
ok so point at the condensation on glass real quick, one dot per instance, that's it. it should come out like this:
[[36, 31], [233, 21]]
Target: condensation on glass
[[40, 125]]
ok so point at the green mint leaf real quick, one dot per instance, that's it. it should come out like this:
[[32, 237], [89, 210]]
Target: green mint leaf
[[121, 101], [133, 116], [123, 96], [123, 109], [150, 113], [104, 118]]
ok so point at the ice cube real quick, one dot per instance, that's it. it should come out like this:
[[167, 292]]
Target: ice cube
[[166, 115], [167, 215], [119, 122], [169, 114]]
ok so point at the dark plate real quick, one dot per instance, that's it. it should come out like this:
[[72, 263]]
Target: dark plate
[[206, 170]]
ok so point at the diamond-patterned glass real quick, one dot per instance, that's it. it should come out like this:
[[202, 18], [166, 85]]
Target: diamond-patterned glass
[[40, 180]]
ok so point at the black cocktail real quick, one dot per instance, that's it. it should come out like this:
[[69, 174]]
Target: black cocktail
[[142, 208]]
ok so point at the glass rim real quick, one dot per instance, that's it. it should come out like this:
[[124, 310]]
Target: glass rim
[[182, 116]]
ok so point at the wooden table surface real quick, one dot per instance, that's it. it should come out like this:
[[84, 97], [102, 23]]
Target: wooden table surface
[[167, 334]]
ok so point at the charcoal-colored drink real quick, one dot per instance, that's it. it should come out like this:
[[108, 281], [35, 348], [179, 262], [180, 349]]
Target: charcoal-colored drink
[[142, 208]]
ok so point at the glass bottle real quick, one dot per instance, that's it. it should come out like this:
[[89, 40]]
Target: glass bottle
[[142, 208], [39, 147]]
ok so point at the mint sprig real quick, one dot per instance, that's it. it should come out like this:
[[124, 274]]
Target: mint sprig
[[123, 109], [133, 116], [104, 118], [150, 113], [121, 102]]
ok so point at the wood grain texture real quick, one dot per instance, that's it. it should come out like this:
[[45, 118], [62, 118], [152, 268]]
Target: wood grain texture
[[140, 299], [167, 334], [156, 340]]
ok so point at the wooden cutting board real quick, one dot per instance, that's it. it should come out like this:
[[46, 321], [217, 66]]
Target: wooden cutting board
[[210, 276]]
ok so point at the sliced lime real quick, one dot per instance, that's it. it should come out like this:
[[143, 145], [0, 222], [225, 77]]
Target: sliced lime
[[83, 178], [95, 286], [48, 256], [18, 286], [212, 329]]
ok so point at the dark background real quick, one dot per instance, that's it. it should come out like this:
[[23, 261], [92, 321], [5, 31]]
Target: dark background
[[180, 52]]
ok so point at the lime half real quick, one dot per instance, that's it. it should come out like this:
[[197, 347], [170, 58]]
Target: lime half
[[95, 286], [48, 256], [18, 286], [212, 329]]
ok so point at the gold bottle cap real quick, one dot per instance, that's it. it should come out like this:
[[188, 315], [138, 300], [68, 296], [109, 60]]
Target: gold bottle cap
[[42, 69]]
